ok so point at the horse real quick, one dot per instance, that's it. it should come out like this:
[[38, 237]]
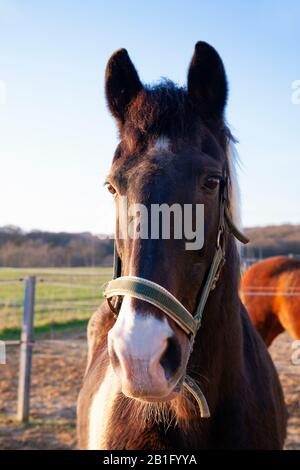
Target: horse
[[270, 291], [175, 148]]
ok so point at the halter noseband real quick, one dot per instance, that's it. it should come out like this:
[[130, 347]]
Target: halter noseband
[[161, 298]]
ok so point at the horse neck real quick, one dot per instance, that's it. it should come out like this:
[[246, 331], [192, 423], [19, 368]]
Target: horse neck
[[217, 353]]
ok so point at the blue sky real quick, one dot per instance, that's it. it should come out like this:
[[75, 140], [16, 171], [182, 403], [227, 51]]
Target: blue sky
[[57, 137]]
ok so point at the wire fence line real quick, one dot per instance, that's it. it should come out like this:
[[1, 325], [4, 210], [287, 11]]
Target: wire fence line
[[271, 294], [72, 296], [50, 303], [72, 303], [55, 283], [273, 288], [59, 272], [44, 343], [291, 291]]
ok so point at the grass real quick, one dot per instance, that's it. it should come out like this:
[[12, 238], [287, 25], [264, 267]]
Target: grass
[[65, 298]]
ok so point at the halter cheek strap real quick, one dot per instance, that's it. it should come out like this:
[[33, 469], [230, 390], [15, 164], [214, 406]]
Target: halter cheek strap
[[161, 298]]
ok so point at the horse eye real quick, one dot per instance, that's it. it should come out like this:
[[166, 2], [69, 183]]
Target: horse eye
[[212, 182], [111, 189]]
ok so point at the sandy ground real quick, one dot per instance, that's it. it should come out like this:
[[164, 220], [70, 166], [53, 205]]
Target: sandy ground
[[281, 351], [56, 379]]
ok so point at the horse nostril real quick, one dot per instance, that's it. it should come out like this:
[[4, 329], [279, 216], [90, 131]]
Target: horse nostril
[[171, 357]]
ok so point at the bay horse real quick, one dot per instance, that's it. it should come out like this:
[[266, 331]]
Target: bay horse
[[270, 291], [176, 148]]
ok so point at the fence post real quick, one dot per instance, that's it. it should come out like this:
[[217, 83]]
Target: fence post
[[2, 353], [26, 350]]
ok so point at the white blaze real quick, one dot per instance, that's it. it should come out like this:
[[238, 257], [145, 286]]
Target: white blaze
[[141, 335]]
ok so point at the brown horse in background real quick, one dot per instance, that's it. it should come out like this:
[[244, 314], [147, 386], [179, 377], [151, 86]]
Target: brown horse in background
[[175, 148], [270, 291]]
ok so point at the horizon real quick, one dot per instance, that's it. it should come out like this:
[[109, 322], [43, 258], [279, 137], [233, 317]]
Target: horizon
[[111, 234], [58, 137]]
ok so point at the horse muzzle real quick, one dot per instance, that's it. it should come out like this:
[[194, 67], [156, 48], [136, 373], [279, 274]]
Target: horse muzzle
[[147, 366]]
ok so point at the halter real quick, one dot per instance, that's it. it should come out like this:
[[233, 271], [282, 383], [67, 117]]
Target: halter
[[161, 298]]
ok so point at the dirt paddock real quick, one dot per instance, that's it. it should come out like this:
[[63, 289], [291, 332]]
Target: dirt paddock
[[56, 378]]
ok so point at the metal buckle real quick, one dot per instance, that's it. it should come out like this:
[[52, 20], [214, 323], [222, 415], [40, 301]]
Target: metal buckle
[[217, 276], [220, 232], [114, 308]]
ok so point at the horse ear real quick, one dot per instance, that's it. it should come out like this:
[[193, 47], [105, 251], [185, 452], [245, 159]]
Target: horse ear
[[122, 84], [207, 83]]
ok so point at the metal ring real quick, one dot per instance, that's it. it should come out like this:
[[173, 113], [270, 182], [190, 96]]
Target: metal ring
[[114, 308], [219, 237]]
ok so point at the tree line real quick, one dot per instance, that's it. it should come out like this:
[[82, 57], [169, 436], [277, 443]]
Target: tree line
[[41, 249], [273, 240]]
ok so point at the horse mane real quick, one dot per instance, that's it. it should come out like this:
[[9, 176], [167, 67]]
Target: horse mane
[[233, 160]]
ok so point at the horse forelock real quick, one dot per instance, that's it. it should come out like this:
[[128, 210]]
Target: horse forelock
[[159, 110]]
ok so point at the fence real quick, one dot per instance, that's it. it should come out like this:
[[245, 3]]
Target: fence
[[84, 303], [27, 343]]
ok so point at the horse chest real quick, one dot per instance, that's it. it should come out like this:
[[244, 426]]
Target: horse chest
[[101, 409]]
